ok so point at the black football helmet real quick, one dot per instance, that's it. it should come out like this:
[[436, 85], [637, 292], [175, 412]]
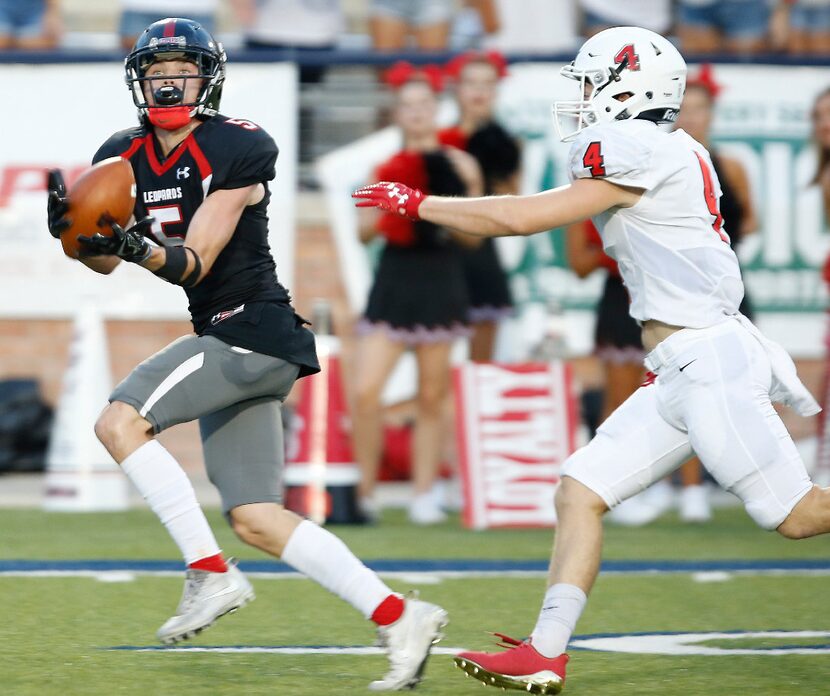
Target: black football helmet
[[177, 38]]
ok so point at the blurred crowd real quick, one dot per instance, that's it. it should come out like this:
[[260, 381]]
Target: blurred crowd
[[740, 27]]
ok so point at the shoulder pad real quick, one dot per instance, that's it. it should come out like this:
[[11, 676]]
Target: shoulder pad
[[118, 143], [615, 153]]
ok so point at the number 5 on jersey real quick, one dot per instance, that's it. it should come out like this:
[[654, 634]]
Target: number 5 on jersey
[[593, 159], [166, 215]]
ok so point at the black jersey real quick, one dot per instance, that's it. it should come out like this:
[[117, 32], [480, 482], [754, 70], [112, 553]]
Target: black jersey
[[240, 300]]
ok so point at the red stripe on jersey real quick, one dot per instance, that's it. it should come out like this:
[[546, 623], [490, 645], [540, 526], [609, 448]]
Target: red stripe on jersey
[[170, 28], [205, 170], [188, 144], [158, 167], [130, 151], [151, 155]]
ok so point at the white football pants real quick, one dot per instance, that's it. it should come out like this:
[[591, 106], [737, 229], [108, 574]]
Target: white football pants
[[710, 398]]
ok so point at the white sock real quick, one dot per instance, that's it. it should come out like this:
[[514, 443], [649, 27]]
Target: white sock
[[169, 493], [321, 556], [561, 609]]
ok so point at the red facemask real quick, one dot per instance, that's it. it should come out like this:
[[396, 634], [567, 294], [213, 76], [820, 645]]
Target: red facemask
[[169, 117]]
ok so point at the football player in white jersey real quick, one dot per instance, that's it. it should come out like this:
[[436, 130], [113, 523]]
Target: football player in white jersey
[[653, 196]]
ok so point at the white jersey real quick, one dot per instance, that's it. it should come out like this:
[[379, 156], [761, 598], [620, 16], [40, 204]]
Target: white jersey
[[673, 253]]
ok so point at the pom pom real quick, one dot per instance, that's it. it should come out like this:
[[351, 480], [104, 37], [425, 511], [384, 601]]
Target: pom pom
[[454, 137], [407, 168]]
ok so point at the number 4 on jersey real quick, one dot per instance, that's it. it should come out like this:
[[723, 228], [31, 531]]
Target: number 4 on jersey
[[712, 199], [593, 159]]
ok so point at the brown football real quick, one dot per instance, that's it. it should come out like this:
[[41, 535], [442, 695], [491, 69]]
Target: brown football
[[103, 193]]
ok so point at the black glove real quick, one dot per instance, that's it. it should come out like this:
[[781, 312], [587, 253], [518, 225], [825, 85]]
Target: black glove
[[128, 244], [57, 204]]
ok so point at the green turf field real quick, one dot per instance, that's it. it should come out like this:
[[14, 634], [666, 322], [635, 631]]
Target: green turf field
[[57, 632]]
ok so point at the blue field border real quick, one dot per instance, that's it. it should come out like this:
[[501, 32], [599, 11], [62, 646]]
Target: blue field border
[[427, 566], [818, 647], [571, 648]]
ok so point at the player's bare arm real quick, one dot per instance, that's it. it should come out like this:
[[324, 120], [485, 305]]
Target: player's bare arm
[[583, 257], [498, 216], [210, 231]]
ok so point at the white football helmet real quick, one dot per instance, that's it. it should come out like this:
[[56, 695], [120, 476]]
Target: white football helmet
[[629, 61]]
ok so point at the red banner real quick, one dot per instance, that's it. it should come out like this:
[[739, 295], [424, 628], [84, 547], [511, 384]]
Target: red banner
[[516, 425]]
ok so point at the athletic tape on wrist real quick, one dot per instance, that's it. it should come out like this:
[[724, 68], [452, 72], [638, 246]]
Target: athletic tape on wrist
[[193, 277], [175, 264]]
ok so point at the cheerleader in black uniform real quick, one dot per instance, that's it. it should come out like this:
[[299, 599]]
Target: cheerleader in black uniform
[[477, 76], [419, 297]]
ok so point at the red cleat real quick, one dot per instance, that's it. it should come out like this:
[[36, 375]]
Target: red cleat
[[520, 667]]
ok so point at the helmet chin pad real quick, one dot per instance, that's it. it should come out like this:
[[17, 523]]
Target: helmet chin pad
[[169, 117]]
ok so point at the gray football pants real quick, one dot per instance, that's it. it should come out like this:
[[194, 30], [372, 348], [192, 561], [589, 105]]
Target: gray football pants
[[235, 394]]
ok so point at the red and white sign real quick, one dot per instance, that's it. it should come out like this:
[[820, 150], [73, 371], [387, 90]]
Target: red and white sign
[[516, 425]]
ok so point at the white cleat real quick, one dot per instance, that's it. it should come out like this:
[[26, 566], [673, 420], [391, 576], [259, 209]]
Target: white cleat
[[206, 597], [408, 642], [694, 504], [426, 510]]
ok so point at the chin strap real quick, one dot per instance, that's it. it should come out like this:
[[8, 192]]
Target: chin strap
[[169, 117]]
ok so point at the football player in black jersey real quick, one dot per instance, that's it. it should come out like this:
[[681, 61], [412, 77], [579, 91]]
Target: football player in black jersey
[[201, 206]]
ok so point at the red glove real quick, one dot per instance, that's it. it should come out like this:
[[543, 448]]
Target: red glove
[[391, 196]]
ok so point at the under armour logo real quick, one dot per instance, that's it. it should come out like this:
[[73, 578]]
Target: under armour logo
[[395, 192], [183, 173]]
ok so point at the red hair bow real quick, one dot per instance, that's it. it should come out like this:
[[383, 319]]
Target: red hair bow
[[402, 73], [494, 58], [705, 78]]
